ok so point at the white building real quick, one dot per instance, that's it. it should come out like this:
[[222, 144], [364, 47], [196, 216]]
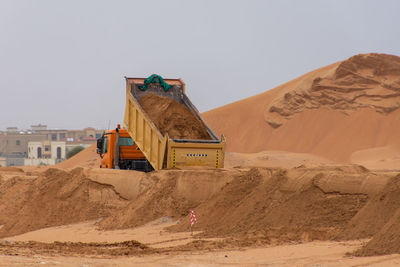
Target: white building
[[3, 161], [45, 152]]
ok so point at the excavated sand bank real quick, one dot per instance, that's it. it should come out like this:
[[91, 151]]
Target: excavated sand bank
[[53, 197], [245, 206]]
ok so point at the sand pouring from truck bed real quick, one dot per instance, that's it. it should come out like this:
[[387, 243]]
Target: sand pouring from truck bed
[[173, 118]]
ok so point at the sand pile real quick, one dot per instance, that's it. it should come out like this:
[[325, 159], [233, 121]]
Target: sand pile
[[263, 204], [331, 112], [386, 241], [173, 118], [376, 213], [54, 197], [160, 200], [172, 194], [256, 205], [87, 158], [246, 205], [379, 218]]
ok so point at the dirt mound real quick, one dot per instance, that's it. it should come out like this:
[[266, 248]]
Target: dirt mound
[[87, 158], [173, 118], [172, 194], [254, 205], [386, 241], [328, 112], [247, 205], [380, 219], [54, 198], [261, 204], [376, 213], [158, 201]]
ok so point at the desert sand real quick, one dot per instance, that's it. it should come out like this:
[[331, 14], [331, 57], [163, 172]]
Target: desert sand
[[331, 112], [311, 177]]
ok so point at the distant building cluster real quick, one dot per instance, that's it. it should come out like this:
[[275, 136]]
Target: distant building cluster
[[42, 146]]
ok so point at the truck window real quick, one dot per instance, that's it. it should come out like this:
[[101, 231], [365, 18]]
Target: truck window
[[105, 144], [126, 141]]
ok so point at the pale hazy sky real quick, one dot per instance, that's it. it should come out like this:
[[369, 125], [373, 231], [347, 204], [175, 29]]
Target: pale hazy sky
[[62, 63]]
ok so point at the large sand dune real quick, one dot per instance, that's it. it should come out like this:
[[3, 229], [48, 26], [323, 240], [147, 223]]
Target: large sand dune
[[331, 112]]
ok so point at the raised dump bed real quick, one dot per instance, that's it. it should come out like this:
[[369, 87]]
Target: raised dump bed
[[167, 127]]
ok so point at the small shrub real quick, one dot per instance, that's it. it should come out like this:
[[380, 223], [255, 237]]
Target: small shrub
[[74, 151]]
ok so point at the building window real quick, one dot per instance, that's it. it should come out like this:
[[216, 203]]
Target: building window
[[54, 137], [46, 148], [58, 152], [39, 152], [17, 142], [62, 136]]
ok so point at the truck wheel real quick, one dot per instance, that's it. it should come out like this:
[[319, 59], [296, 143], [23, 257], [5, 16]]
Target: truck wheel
[[148, 167]]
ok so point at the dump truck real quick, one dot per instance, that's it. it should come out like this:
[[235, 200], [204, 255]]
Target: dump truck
[[119, 151], [159, 149], [154, 149]]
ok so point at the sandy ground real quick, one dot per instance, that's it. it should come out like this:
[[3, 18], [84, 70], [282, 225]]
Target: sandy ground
[[307, 254], [315, 253], [378, 158], [151, 234], [281, 159]]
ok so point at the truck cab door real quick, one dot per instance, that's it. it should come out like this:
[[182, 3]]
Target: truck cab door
[[99, 146], [105, 160]]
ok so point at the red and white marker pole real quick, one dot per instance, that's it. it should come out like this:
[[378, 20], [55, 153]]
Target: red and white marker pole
[[193, 220]]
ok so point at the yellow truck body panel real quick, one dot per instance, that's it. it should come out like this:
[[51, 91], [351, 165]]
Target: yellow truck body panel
[[161, 150]]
